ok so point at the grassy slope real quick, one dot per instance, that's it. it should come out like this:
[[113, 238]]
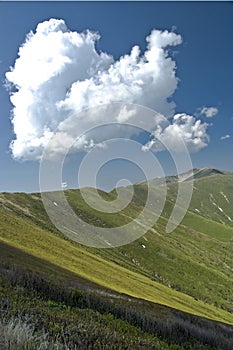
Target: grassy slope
[[136, 281], [53, 249], [197, 258], [188, 261], [212, 197]]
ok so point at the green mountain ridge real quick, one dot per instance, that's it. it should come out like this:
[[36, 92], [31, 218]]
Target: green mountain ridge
[[189, 270], [204, 172]]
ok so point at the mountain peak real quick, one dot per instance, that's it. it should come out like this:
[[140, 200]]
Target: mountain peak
[[204, 172]]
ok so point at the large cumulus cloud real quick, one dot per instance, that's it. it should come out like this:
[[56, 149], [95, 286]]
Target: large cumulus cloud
[[59, 72]]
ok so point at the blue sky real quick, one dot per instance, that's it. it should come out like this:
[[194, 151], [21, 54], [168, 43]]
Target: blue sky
[[203, 60]]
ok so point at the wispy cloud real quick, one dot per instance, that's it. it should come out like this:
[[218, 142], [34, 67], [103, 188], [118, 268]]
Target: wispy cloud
[[224, 137], [64, 184], [209, 112]]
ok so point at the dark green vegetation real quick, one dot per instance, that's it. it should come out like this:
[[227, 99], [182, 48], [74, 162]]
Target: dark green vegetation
[[170, 291]]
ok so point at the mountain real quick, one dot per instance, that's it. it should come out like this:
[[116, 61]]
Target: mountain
[[200, 173], [176, 287]]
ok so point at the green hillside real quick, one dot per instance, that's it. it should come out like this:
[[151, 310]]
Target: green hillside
[[188, 270]]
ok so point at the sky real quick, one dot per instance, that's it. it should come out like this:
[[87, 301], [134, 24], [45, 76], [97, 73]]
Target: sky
[[172, 57]]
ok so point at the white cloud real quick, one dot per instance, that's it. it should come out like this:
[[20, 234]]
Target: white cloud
[[59, 73], [209, 112], [184, 129], [64, 184], [224, 137]]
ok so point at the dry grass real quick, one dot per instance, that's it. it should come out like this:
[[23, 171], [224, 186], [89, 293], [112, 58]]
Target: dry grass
[[16, 334]]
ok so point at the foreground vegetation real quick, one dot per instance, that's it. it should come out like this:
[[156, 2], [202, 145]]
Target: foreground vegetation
[[37, 310]]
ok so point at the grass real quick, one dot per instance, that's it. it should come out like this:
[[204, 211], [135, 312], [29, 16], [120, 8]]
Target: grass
[[188, 270], [209, 194], [37, 242], [49, 312], [186, 260], [16, 334]]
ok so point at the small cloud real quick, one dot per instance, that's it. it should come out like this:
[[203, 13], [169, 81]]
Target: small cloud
[[64, 185], [184, 129], [174, 28], [209, 112], [224, 137]]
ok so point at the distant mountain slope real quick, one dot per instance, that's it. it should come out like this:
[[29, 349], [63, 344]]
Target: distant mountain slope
[[212, 195], [192, 174], [204, 172]]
